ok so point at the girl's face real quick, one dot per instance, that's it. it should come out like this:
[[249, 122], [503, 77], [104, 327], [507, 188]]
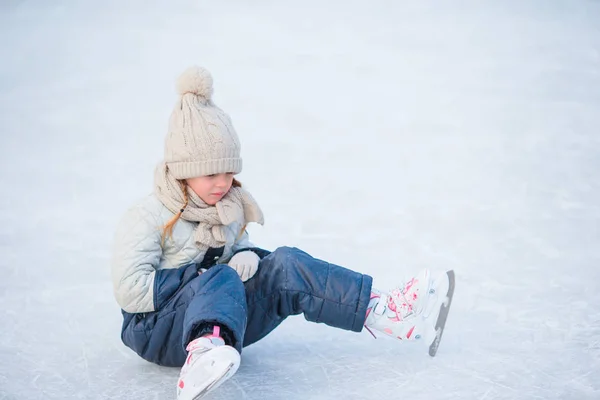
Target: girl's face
[[211, 188]]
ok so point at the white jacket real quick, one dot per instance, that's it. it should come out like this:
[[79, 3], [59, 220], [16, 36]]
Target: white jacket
[[138, 253]]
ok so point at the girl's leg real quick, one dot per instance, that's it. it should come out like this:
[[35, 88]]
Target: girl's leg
[[290, 282], [216, 297]]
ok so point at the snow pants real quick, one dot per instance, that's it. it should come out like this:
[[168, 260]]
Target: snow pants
[[288, 282]]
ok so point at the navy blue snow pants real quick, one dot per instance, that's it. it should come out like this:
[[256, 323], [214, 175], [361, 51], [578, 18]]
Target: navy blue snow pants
[[288, 282]]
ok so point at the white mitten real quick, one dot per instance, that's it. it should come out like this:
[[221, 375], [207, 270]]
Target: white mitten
[[245, 263]]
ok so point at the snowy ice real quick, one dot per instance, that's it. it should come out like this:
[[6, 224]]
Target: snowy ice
[[384, 136]]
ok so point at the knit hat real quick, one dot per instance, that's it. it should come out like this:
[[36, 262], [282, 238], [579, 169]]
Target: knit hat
[[201, 139]]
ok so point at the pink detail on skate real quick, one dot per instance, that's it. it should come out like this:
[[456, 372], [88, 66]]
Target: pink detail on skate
[[189, 358], [410, 332], [410, 284], [397, 295], [181, 384], [193, 345], [388, 331], [392, 306], [217, 331]]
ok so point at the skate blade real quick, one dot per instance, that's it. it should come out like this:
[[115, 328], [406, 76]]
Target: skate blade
[[443, 315], [214, 384]]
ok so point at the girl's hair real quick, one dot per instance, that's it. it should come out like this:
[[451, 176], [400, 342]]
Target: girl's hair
[[168, 228]]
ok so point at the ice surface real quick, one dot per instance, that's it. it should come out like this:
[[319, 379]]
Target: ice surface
[[384, 136]]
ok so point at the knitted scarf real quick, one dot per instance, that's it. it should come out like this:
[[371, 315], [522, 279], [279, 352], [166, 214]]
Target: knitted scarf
[[237, 205]]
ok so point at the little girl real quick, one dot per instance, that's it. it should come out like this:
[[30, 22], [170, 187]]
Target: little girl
[[194, 291]]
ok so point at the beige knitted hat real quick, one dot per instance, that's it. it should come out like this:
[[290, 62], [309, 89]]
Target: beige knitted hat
[[201, 139]]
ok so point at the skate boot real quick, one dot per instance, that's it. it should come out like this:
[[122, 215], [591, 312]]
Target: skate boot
[[209, 363], [410, 311]]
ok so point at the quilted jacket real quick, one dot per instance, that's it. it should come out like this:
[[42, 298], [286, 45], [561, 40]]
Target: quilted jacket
[[139, 253]]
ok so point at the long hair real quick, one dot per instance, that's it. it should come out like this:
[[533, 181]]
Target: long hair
[[168, 228]]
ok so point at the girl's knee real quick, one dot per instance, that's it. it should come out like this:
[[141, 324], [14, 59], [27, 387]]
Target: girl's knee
[[280, 261], [217, 278], [284, 255], [220, 271], [290, 268]]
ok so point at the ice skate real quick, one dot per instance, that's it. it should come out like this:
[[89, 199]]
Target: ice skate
[[410, 312], [209, 363]]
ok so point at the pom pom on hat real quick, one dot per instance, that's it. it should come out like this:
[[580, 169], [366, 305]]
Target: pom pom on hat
[[196, 80], [201, 139]]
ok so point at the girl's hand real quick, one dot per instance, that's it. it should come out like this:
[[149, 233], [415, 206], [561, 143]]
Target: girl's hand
[[245, 263]]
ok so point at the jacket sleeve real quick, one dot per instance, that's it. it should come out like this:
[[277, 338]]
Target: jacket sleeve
[[140, 287], [137, 253]]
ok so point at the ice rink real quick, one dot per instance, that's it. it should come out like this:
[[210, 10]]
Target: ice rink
[[384, 136]]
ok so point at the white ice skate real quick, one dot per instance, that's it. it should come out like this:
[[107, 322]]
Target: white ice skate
[[209, 363], [412, 312]]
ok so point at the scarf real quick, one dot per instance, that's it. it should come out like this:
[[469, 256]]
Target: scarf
[[237, 205]]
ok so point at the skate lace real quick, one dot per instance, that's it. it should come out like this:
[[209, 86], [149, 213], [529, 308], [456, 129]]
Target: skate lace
[[400, 301]]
